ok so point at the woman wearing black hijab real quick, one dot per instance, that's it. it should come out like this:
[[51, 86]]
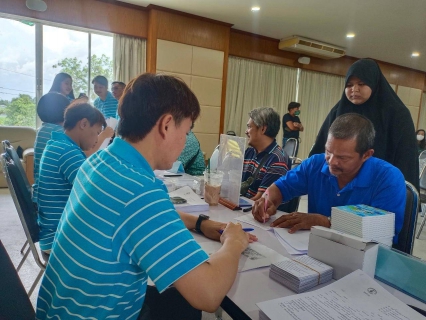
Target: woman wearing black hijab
[[367, 92]]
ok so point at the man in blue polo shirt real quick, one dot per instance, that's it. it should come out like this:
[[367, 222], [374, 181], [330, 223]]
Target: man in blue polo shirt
[[262, 128], [60, 162], [346, 174], [105, 102], [119, 226]]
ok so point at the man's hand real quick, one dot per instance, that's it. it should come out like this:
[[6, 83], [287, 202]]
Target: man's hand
[[235, 236], [301, 221], [108, 132], [259, 212], [211, 229]]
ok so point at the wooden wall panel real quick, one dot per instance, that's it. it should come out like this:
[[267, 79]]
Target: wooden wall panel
[[250, 46], [195, 31], [92, 14]]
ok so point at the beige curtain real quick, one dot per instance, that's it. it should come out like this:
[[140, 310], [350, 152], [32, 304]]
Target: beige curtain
[[422, 114], [252, 84], [318, 93], [129, 57]]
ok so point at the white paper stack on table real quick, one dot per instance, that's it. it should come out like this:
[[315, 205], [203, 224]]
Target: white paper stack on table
[[294, 243], [301, 273], [365, 222], [193, 201]]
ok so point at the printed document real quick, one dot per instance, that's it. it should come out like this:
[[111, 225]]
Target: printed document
[[255, 256], [354, 297]]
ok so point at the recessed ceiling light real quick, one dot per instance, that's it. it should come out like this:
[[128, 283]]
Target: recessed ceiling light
[[415, 54], [255, 8], [350, 35]]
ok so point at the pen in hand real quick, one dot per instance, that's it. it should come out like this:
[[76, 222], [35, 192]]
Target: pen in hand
[[244, 229], [265, 196]]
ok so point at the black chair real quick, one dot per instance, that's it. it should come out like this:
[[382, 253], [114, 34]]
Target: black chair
[[26, 211], [422, 197], [406, 235], [14, 301], [8, 148], [290, 149]]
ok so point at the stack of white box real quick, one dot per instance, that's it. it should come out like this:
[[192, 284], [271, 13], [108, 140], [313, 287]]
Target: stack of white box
[[365, 222]]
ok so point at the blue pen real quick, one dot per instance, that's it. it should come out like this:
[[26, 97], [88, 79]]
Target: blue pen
[[244, 229]]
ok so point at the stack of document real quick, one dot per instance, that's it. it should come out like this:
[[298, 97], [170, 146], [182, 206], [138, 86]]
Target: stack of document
[[294, 243], [301, 274], [193, 201], [356, 296], [364, 222]]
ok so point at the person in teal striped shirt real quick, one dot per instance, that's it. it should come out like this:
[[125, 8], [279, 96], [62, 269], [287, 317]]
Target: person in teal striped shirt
[[50, 110], [59, 165], [105, 102], [119, 226]]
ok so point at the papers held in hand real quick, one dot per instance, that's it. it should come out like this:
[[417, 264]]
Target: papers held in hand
[[193, 201]]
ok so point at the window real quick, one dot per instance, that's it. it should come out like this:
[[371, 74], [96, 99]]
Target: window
[[17, 73], [62, 49]]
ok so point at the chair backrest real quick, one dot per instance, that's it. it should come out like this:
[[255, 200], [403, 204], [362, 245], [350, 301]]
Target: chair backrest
[[23, 203], [10, 150], [406, 235], [422, 182], [291, 147], [214, 159], [14, 302]]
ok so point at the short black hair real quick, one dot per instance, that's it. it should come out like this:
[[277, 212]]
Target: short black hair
[[268, 117], [51, 107], [101, 80], [148, 97], [354, 126], [118, 82], [78, 110], [293, 105]]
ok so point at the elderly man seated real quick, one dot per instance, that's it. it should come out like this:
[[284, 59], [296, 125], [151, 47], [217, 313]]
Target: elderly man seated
[[264, 161], [346, 174]]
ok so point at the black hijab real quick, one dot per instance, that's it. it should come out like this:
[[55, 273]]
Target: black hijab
[[395, 139]]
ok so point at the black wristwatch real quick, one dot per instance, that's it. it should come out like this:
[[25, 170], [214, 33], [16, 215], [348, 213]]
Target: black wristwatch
[[201, 218]]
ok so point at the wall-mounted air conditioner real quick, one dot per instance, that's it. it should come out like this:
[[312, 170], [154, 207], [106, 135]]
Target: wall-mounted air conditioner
[[311, 47]]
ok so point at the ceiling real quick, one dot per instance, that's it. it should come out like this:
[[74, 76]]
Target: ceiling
[[386, 30]]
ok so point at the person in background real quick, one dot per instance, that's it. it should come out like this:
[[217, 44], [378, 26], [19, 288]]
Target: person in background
[[50, 109], [367, 92], [105, 102], [60, 162], [117, 88], [135, 231], [262, 128], [192, 157], [421, 143], [291, 123], [63, 84], [347, 174]]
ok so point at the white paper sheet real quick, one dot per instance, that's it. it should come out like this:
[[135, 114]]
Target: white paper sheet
[[249, 219], [193, 201], [354, 297], [111, 122], [255, 256], [289, 248], [298, 240]]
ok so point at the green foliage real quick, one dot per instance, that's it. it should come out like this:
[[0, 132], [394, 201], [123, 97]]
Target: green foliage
[[99, 66], [21, 111]]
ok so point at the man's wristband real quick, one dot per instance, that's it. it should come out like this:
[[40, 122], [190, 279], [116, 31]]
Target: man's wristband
[[200, 219]]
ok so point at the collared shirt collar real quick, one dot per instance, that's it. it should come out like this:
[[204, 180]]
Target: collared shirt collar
[[119, 147], [61, 136], [361, 179], [268, 149]]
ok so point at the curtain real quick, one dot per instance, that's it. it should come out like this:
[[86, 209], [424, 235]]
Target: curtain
[[129, 57], [252, 84], [318, 93], [422, 113]]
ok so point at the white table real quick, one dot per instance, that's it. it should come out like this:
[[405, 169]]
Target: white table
[[253, 286]]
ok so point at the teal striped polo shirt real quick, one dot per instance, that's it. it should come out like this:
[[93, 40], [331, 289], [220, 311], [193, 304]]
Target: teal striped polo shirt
[[108, 107], [118, 228]]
